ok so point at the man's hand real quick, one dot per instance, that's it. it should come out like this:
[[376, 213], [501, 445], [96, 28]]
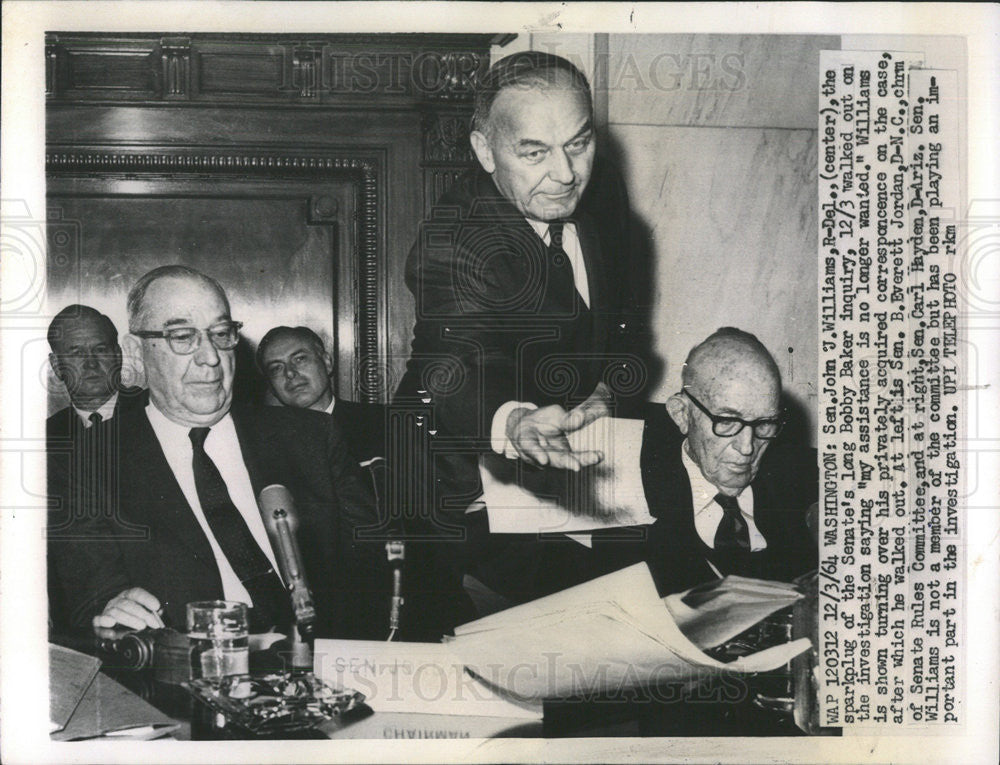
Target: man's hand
[[539, 436], [134, 608]]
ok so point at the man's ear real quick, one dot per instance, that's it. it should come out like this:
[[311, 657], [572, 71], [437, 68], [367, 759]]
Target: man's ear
[[132, 367], [482, 150], [677, 408], [328, 363], [56, 367]]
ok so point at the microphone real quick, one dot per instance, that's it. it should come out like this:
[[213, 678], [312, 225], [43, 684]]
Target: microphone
[[281, 521], [395, 551]]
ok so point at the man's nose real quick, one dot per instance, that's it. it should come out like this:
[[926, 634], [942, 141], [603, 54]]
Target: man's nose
[[92, 361], [743, 441], [290, 371], [561, 168], [206, 354]]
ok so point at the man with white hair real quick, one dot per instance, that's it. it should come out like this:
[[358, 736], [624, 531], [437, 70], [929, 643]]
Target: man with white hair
[[727, 498]]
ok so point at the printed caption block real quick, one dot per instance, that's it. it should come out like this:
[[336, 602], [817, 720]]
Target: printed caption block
[[891, 546]]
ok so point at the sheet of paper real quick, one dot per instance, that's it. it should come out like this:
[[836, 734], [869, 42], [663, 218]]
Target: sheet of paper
[[602, 636], [70, 675], [425, 678], [108, 707], [713, 613], [522, 499]]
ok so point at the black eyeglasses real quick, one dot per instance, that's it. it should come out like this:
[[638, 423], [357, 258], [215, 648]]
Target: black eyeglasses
[[765, 428], [186, 340]]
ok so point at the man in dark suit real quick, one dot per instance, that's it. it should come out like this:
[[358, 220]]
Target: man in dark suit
[[87, 360], [725, 500], [524, 283], [180, 522], [298, 370]]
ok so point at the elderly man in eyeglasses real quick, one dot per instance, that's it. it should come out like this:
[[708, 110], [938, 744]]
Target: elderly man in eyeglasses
[[180, 523], [727, 497]]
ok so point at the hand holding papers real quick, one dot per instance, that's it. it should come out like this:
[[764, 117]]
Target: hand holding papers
[[615, 632], [521, 499]]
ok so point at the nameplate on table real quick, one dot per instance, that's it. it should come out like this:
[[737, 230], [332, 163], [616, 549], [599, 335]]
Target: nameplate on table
[[425, 678]]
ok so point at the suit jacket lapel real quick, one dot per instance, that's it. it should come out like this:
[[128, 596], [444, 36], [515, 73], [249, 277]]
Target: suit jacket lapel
[[259, 465], [163, 502], [594, 260]]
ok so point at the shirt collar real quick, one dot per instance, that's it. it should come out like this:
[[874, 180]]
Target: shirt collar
[[703, 491], [541, 228], [168, 431], [333, 403], [106, 410]]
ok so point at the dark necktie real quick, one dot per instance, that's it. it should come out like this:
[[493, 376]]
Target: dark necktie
[[271, 604], [95, 419], [733, 532], [561, 285]]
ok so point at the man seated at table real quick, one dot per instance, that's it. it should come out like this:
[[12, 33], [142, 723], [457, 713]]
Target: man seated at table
[[298, 370], [181, 523], [725, 500]]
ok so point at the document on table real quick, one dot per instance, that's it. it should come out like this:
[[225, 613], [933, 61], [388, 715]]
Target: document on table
[[611, 633], [523, 499]]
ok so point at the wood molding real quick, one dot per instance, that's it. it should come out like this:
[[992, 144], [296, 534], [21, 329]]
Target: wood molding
[[363, 167]]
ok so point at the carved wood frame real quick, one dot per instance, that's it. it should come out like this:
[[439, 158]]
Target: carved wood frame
[[365, 168]]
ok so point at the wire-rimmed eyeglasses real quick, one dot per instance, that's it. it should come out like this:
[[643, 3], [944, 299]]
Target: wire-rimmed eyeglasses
[[765, 428], [186, 340]]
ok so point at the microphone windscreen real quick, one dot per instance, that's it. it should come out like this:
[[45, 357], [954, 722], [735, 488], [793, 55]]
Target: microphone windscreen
[[277, 497]]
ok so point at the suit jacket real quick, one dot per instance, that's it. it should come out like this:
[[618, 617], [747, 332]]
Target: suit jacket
[[136, 529], [785, 485], [488, 330], [363, 427], [64, 424]]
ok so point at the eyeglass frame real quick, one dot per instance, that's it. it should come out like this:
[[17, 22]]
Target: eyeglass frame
[[164, 334], [779, 420]]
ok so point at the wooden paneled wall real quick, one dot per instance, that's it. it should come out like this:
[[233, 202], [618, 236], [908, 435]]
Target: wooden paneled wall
[[295, 170]]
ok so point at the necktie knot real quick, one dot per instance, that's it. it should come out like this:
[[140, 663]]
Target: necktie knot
[[95, 418], [556, 235], [733, 532], [727, 503], [198, 436]]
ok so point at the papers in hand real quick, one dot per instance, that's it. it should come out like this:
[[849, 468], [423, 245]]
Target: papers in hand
[[609, 634], [522, 499]]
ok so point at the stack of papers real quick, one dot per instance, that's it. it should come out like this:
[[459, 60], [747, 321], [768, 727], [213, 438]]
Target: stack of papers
[[615, 632]]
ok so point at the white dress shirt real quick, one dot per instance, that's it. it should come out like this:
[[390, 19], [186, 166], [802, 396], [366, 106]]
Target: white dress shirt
[[223, 447], [708, 513], [333, 403], [106, 410]]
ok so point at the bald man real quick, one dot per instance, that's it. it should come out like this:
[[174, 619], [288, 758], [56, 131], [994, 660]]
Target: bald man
[[728, 498]]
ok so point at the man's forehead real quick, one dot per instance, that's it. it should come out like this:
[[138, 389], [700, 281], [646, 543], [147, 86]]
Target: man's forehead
[[737, 385], [87, 327], [287, 345], [520, 109], [177, 300]]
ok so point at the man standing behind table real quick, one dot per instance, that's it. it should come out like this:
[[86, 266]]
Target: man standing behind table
[[525, 291], [299, 369], [725, 500], [190, 468]]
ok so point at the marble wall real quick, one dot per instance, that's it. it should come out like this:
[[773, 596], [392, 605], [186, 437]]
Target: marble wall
[[716, 137]]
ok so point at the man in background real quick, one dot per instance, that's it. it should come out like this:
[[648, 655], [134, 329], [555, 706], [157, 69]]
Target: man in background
[[87, 360], [299, 369]]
